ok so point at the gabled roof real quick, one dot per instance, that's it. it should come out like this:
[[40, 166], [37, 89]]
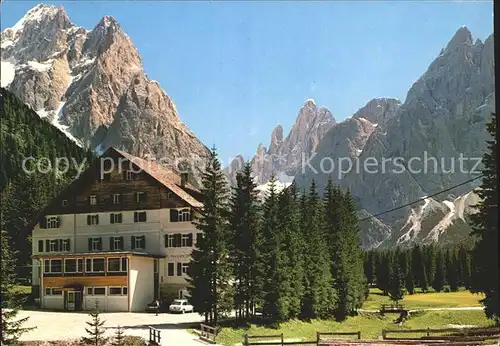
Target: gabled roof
[[167, 178]]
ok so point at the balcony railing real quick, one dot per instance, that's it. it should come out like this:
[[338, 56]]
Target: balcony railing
[[47, 275]]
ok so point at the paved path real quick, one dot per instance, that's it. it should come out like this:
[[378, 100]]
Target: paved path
[[53, 326], [435, 309]]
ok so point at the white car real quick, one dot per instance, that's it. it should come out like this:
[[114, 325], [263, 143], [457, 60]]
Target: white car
[[181, 305]]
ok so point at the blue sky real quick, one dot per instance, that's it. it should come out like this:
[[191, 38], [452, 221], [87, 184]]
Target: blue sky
[[237, 69]]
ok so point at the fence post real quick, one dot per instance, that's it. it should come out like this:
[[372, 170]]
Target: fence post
[[428, 331], [282, 341], [317, 338], [159, 338], [383, 334], [359, 335], [246, 339]]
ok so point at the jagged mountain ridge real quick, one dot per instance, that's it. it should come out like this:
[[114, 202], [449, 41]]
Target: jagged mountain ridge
[[444, 116], [86, 81], [285, 153]]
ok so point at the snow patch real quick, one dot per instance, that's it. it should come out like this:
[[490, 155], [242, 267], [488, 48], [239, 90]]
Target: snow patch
[[41, 66], [6, 43], [375, 125], [442, 225], [311, 100], [7, 73], [55, 116], [415, 219]]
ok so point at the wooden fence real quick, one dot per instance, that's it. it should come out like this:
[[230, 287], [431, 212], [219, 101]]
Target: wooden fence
[[446, 334], [208, 333], [251, 340], [154, 336], [392, 308]]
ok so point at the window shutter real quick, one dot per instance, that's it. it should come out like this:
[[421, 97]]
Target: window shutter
[[179, 269], [97, 220], [90, 244], [60, 245], [40, 246], [190, 239], [69, 244], [145, 216], [166, 240], [124, 175], [100, 244], [177, 240], [111, 243], [133, 242], [111, 218], [121, 243], [120, 217], [58, 221], [47, 245], [88, 220], [143, 241], [135, 216], [135, 197], [174, 215], [144, 196]]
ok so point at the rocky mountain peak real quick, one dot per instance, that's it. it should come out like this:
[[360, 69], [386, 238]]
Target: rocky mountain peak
[[378, 110], [276, 139], [462, 36]]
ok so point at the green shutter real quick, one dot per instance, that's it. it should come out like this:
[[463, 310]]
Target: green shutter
[[111, 243], [100, 244], [69, 244], [133, 242], [90, 244]]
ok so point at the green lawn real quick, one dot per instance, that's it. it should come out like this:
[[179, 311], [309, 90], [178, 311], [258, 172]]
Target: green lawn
[[370, 325], [425, 300]]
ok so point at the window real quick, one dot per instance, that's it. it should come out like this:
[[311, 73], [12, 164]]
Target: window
[[185, 268], [95, 244], [96, 291], [170, 195], [116, 243], [118, 291], [95, 265], [140, 197], [93, 219], [169, 240], [140, 216], [53, 245], [53, 292], [117, 198], [182, 215], [53, 222], [93, 199], [138, 242], [129, 175], [73, 265], [64, 202], [117, 264], [52, 266], [187, 240], [115, 218], [65, 245], [170, 269], [179, 269]]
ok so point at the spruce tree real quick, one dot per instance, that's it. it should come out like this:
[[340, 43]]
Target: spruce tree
[[485, 254], [396, 288], [440, 273], [410, 277], [319, 296], [119, 337], [95, 331], [291, 235], [210, 265], [452, 274], [245, 227], [12, 327]]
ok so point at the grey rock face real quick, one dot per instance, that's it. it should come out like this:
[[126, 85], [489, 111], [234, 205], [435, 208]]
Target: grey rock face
[[379, 110], [285, 154], [88, 81], [442, 119]]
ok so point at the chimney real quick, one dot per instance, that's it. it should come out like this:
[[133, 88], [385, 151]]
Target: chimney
[[184, 179]]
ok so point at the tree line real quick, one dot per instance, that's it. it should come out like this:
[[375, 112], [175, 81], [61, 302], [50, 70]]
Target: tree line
[[402, 270], [295, 254]]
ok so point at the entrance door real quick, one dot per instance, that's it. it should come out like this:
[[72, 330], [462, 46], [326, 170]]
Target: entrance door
[[71, 301], [78, 300]]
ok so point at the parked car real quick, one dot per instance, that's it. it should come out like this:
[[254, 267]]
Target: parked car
[[151, 307], [181, 305]]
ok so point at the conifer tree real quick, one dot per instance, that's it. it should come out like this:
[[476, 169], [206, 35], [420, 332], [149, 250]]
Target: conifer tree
[[119, 337], [95, 331], [440, 273], [485, 253], [319, 296], [245, 227], [12, 327], [291, 235], [465, 266], [410, 277], [210, 266], [452, 274], [396, 278]]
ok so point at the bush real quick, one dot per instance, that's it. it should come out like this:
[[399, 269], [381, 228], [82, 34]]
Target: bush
[[446, 288]]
